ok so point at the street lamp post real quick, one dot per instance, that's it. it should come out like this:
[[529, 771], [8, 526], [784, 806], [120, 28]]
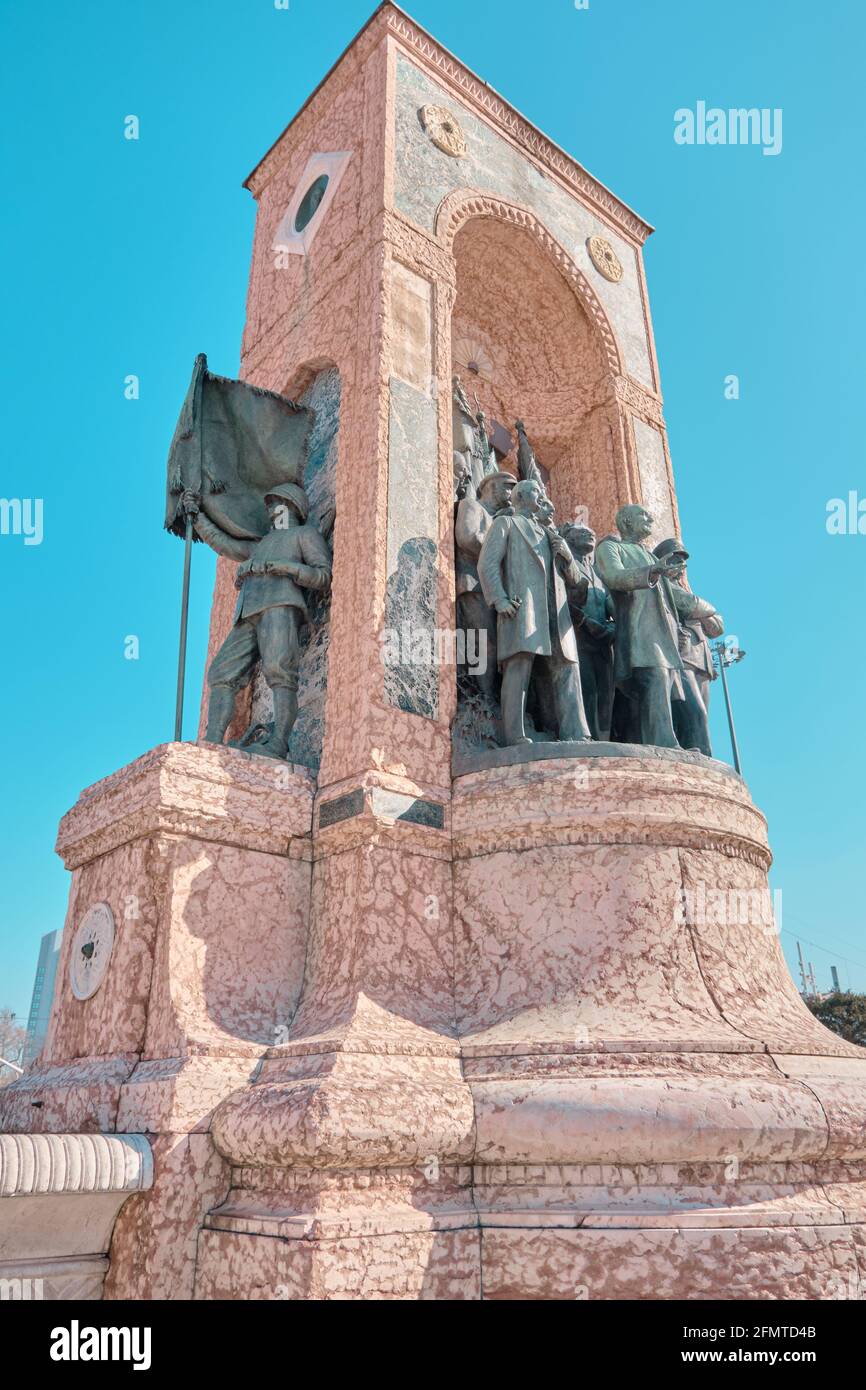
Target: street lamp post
[[725, 656]]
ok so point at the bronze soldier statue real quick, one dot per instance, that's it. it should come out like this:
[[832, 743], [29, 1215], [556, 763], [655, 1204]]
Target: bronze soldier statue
[[276, 570]]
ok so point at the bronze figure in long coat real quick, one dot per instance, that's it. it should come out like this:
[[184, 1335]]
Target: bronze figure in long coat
[[648, 666], [521, 569]]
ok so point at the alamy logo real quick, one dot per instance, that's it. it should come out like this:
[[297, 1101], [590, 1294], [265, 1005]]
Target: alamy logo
[[737, 126], [433, 646], [22, 516], [846, 516], [704, 905], [23, 1290], [76, 1343]]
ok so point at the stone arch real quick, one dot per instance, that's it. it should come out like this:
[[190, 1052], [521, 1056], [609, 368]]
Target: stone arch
[[461, 205], [301, 378], [552, 357]]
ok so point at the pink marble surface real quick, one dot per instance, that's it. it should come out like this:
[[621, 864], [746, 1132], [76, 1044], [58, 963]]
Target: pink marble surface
[[153, 1249], [746, 970], [362, 1065], [361, 1110], [230, 955], [81, 1095], [602, 1082], [381, 926], [572, 944], [114, 1019], [619, 801], [178, 1095], [416, 1266], [198, 790], [204, 857], [646, 1120], [816, 1263]]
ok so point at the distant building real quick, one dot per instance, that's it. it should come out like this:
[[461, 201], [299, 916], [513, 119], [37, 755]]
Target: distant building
[[43, 993]]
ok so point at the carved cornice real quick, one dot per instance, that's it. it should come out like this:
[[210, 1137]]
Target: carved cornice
[[713, 1176], [461, 205], [597, 800], [613, 830], [409, 243], [201, 791]]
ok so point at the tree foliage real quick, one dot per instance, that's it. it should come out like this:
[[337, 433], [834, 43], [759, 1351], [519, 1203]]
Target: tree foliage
[[844, 1014]]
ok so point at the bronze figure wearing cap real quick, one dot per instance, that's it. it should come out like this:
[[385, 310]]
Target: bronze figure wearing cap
[[291, 557]]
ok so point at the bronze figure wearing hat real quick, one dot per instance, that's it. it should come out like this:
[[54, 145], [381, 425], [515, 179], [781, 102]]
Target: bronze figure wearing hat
[[474, 614], [691, 715], [291, 557]]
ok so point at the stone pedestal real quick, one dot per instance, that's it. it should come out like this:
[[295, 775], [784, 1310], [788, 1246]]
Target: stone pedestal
[[657, 1113], [534, 1038], [617, 1094], [202, 856]]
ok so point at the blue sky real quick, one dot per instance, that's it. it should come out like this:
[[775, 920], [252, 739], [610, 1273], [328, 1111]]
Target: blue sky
[[129, 257]]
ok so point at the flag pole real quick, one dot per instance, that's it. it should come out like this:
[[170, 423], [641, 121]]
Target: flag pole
[[201, 366], [184, 615]]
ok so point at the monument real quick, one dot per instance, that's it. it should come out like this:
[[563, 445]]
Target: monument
[[408, 1007]]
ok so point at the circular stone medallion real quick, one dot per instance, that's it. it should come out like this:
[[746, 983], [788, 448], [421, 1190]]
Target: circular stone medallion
[[91, 951], [444, 130], [604, 258]]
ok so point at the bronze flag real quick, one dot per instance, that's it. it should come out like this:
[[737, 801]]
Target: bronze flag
[[232, 442]]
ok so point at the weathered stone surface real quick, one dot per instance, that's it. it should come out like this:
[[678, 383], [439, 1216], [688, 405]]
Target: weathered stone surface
[[684, 1265], [601, 1088], [424, 178], [204, 856], [204, 791], [399, 1265], [153, 1249]]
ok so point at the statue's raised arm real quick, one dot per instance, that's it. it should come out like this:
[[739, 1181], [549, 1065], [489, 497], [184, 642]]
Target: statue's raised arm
[[231, 547]]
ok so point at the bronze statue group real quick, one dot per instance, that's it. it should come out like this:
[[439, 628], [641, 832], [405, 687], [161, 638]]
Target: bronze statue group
[[583, 641], [580, 641]]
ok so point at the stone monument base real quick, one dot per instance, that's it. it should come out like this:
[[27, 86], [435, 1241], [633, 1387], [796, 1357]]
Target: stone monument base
[[635, 1102], [537, 1042]]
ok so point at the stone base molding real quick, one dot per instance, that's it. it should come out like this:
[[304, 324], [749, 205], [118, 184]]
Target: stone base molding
[[59, 1199]]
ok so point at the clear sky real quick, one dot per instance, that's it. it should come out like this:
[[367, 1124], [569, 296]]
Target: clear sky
[[129, 257]]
